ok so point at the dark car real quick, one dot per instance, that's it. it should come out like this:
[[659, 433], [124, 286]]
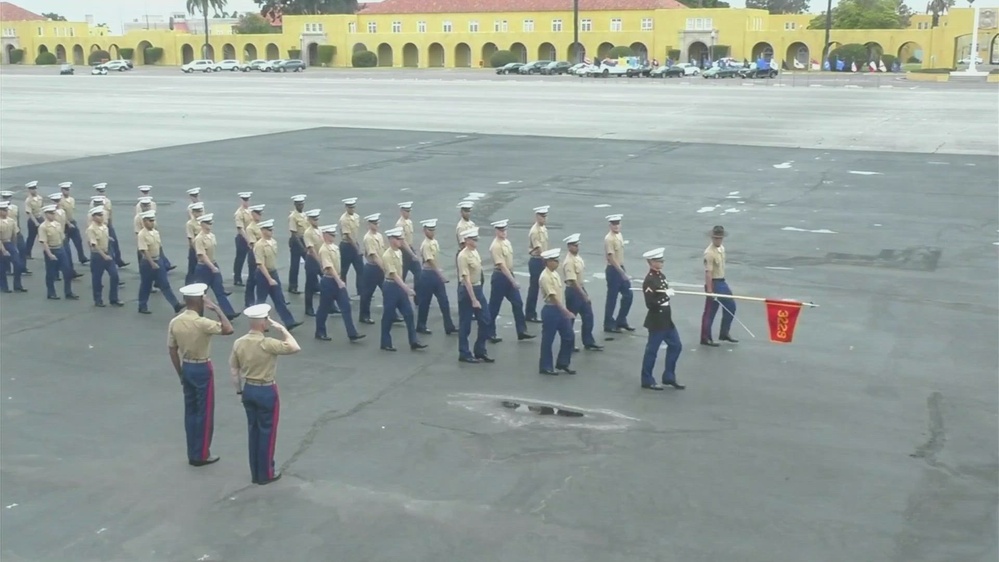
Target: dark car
[[65, 69], [667, 72], [510, 68], [534, 67], [293, 65], [558, 67], [722, 72], [765, 72]]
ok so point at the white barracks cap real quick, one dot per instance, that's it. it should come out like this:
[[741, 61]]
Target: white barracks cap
[[571, 239], [245, 194], [31, 184], [145, 200], [313, 213], [257, 311], [49, 209], [552, 254], [6, 193], [298, 198], [55, 196], [373, 218], [614, 218], [101, 186], [350, 201], [429, 223], [199, 206], [328, 229], [656, 254], [96, 211], [148, 215], [145, 188], [268, 224], [406, 205], [66, 185], [465, 205], [4, 204], [206, 218], [193, 191], [394, 232], [470, 233], [541, 210], [194, 290], [256, 208], [501, 224]]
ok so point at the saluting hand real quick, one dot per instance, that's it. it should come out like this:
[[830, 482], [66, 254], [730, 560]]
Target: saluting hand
[[275, 324], [211, 305]]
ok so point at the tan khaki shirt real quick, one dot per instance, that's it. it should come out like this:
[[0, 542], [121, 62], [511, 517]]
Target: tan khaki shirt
[[255, 356], [192, 334]]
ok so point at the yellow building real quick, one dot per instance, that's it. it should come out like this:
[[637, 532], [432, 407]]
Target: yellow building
[[402, 33]]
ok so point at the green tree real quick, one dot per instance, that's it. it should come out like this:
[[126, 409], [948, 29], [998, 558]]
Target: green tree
[[203, 6], [704, 3], [53, 16], [779, 6], [276, 8], [253, 24], [937, 7], [866, 14]]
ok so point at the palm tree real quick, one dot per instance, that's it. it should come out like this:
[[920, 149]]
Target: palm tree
[[203, 6], [938, 7]]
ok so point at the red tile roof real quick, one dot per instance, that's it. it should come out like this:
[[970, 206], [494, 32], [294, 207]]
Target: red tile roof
[[10, 12], [466, 6]]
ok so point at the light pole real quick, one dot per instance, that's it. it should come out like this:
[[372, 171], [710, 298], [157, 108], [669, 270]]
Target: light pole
[[575, 32], [974, 39], [825, 49], [711, 50]]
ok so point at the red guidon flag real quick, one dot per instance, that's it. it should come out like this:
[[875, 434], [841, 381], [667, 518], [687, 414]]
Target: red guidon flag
[[782, 316]]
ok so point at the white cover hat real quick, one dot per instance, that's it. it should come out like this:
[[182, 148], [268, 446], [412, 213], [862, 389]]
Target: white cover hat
[[245, 194], [31, 184], [328, 229], [49, 209], [145, 200], [96, 211], [470, 233], [256, 208], [206, 218], [269, 223], [313, 213], [542, 210], [199, 206], [501, 224], [656, 254], [466, 205], [257, 311], [6, 193], [406, 205], [552, 254], [148, 215], [298, 198], [429, 223], [373, 218], [614, 218], [66, 185], [194, 290], [394, 232], [101, 186], [55, 196], [571, 239], [193, 191], [350, 201], [145, 188]]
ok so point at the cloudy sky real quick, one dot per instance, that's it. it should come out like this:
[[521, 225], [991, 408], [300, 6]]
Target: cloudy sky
[[114, 12]]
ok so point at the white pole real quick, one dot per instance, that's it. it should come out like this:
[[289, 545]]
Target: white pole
[[974, 39]]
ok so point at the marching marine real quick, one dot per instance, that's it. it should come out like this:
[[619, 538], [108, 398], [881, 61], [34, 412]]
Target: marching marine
[[555, 319], [714, 282], [68, 205], [101, 260], [396, 294], [297, 224], [410, 261], [152, 264], [13, 213], [33, 209], [577, 300], [430, 283], [115, 245], [332, 288], [242, 217], [9, 254], [252, 233], [472, 302], [192, 229], [503, 285], [312, 240], [268, 284], [52, 237], [252, 365], [350, 243], [195, 194], [618, 282], [659, 322], [207, 270], [538, 243], [60, 216], [374, 271]]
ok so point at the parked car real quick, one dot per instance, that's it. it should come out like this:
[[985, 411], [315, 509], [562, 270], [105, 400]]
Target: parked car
[[116, 65], [667, 72], [271, 65], [584, 69], [510, 68], [689, 69], [722, 72], [98, 69], [232, 65], [557, 67], [65, 70], [752, 72], [127, 63], [258, 64], [534, 67], [201, 65], [293, 65], [967, 60]]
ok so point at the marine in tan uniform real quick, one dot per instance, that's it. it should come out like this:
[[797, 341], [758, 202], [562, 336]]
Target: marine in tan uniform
[[267, 282], [10, 257], [207, 270], [472, 302], [242, 217], [33, 210], [396, 293], [105, 201], [312, 239], [144, 191], [333, 297], [555, 319], [410, 259], [252, 234], [577, 299], [13, 213], [374, 271], [152, 264], [431, 281], [195, 197], [503, 285], [52, 237], [101, 260], [296, 247], [714, 282], [68, 205], [618, 281], [537, 243], [253, 364], [189, 337], [350, 243], [191, 229]]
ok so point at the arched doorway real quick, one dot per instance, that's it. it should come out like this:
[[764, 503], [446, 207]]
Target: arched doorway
[[910, 53], [520, 51], [462, 55], [763, 49], [832, 46], [140, 52], [546, 51], [640, 50], [874, 51], [312, 52], [95, 48], [603, 50], [250, 52], [384, 54], [359, 47], [273, 53], [186, 54], [798, 56], [113, 51], [60, 53], [228, 51], [994, 50], [436, 53], [697, 53], [209, 51], [410, 56], [575, 53], [488, 50], [77, 54], [6, 53], [42, 49]]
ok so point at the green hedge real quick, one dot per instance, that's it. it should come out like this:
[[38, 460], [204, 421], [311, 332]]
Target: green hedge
[[502, 58], [46, 58], [126, 53], [97, 57], [17, 56], [153, 54], [294, 53], [914, 60], [364, 59], [326, 53], [849, 53], [673, 54], [619, 52], [889, 60]]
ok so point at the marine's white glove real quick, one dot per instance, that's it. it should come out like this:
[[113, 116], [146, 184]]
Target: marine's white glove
[[670, 293]]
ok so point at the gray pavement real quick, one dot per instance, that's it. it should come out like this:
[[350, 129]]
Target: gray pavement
[[871, 437], [48, 118]]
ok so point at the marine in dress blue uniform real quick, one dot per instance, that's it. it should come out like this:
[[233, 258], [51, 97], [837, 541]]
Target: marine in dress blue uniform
[[714, 282], [373, 273], [618, 281], [410, 259], [208, 271], [659, 322], [189, 337], [296, 247], [52, 237], [556, 319], [472, 303], [252, 365], [312, 239], [152, 267], [431, 282], [101, 260], [577, 299], [242, 217], [9, 254], [537, 243], [396, 294], [268, 282], [350, 243], [332, 288], [503, 285]]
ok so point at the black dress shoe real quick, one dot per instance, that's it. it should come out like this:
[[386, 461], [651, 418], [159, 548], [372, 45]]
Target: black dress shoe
[[277, 476], [141, 310], [728, 338], [310, 313], [358, 337], [652, 387], [293, 325], [450, 332], [121, 283], [227, 293], [628, 328], [417, 346], [575, 350], [99, 304], [397, 319], [545, 372], [8, 291], [178, 307], [77, 275], [324, 338], [366, 321], [675, 385], [613, 330], [468, 360], [424, 331], [84, 261], [238, 283], [534, 320], [123, 264], [233, 316], [117, 303], [295, 291], [525, 336], [171, 268], [594, 347], [73, 297], [485, 358], [54, 298], [495, 340], [20, 290], [388, 348], [26, 273], [206, 462], [565, 370], [709, 343]]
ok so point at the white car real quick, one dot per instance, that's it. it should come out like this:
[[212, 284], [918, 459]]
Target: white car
[[967, 60], [202, 65], [231, 65], [119, 65], [99, 70], [688, 69]]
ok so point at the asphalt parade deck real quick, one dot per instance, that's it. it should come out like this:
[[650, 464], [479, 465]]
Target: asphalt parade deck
[[870, 437]]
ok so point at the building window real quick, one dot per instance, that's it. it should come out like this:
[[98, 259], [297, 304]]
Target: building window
[[352, 27], [473, 27], [313, 28], [528, 25], [447, 27], [500, 26], [9, 32], [41, 31], [556, 25], [646, 24], [372, 27], [790, 26], [421, 26], [72, 32], [397, 27], [757, 24], [586, 25], [701, 24], [616, 24]]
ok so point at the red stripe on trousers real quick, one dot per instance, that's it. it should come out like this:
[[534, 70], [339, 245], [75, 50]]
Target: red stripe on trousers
[[274, 428]]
